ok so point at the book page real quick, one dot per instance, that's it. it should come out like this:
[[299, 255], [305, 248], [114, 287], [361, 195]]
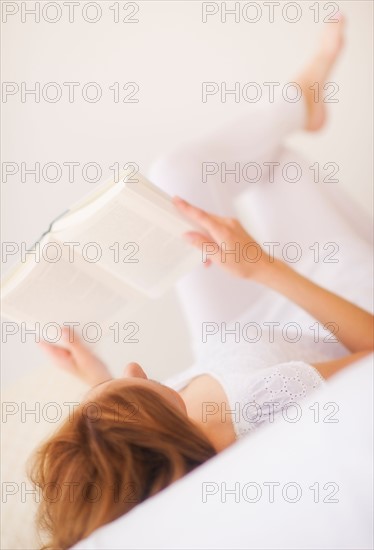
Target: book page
[[138, 241], [66, 291]]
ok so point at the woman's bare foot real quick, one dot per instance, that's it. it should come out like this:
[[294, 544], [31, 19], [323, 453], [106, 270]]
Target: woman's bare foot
[[318, 71]]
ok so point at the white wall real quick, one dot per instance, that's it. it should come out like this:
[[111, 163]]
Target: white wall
[[169, 53]]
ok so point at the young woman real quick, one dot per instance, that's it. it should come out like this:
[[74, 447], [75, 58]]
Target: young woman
[[148, 434]]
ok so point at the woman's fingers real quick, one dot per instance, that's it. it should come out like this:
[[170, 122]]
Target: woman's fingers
[[61, 356], [75, 351], [78, 349], [209, 222], [202, 243], [78, 360], [54, 351], [226, 242]]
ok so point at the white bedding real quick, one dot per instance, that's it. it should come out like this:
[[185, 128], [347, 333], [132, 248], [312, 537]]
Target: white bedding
[[335, 458]]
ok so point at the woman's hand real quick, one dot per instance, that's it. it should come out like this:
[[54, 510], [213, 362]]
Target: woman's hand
[[78, 360], [353, 326], [225, 242]]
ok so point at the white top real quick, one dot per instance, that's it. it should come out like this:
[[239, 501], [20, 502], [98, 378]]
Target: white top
[[260, 379]]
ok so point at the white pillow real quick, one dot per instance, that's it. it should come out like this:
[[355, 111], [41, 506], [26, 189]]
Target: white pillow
[[335, 458]]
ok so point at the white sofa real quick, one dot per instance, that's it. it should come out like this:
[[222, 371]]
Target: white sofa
[[333, 457]]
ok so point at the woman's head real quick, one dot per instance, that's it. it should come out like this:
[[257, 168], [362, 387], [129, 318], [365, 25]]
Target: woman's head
[[134, 374], [128, 440]]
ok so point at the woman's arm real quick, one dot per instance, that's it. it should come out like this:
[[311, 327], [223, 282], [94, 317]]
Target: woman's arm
[[329, 368], [355, 326]]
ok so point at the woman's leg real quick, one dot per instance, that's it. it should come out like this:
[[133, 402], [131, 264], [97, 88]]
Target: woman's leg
[[211, 294], [210, 172], [213, 171], [303, 224]]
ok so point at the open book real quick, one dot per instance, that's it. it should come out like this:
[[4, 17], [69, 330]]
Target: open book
[[121, 243]]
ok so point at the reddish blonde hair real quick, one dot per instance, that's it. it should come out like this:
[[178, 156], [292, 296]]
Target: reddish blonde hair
[[113, 454]]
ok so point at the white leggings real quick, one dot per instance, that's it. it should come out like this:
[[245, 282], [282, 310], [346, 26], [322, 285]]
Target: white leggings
[[304, 212]]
